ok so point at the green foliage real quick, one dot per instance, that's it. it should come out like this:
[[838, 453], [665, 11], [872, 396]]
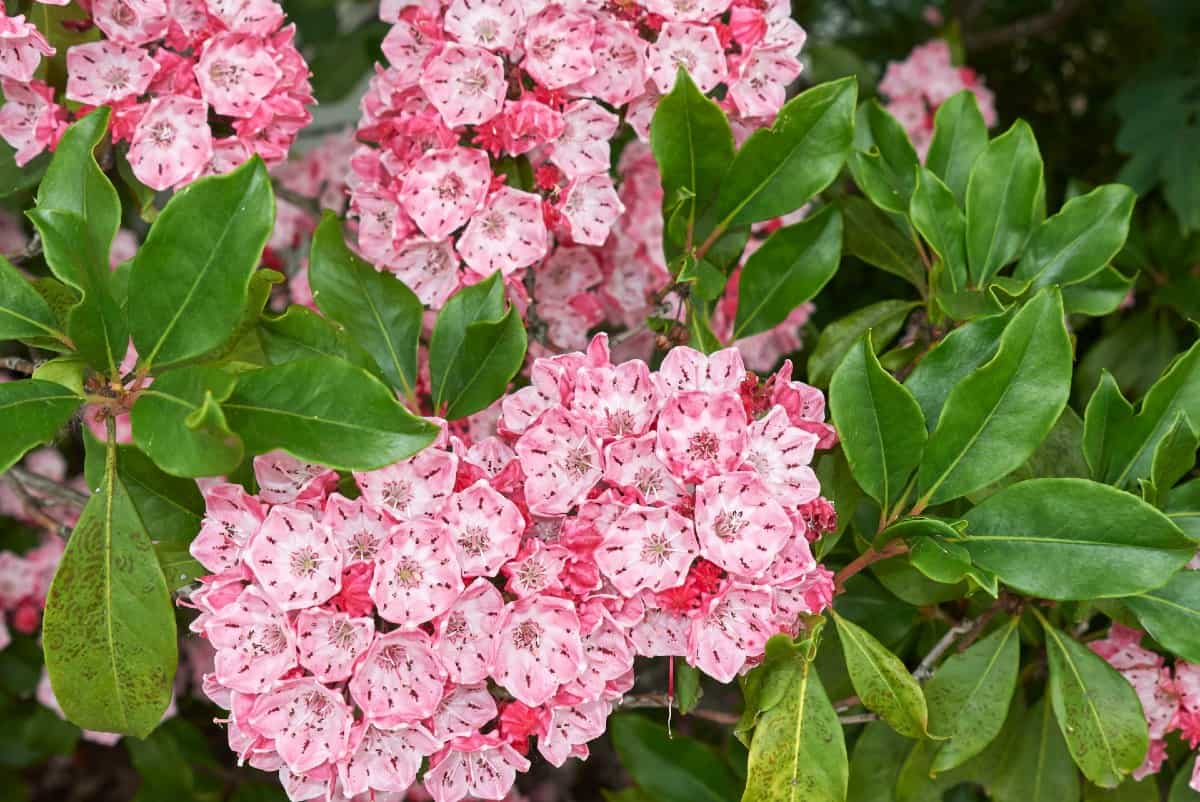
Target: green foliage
[[881, 680], [31, 413], [179, 423], [670, 769]]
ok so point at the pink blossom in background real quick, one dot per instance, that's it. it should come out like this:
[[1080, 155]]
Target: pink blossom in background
[[604, 512]]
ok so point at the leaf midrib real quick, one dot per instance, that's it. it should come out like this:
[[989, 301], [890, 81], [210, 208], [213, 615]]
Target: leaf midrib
[[1091, 705]]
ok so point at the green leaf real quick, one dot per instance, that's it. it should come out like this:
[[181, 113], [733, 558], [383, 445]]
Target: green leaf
[[1171, 614], [939, 559], [879, 754], [953, 359], [678, 769], [109, 630], [301, 333], [31, 413], [1040, 769], [935, 214], [874, 238], [995, 418], [1080, 240], [959, 136], [476, 349], [788, 269], [880, 423], [1005, 199], [693, 145], [178, 422], [23, 311], [781, 167], [1106, 416], [1174, 458], [1181, 790], [767, 683], [1115, 543], [970, 694], [195, 266], [326, 411], [69, 371], [14, 179], [1097, 710], [884, 320], [1099, 295], [1145, 790], [881, 680], [687, 687], [1130, 448], [1183, 508], [885, 165], [798, 753], [377, 310]]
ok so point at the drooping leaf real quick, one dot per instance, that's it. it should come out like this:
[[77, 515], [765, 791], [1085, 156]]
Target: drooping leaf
[[953, 359], [970, 694], [179, 423], [881, 680], [478, 345], [1006, 198], [935, 214], [326, 411], [1171, 614], [1106, 415], [880, 423], [1097, 710], [959, 136], [23, 311], [196, 263], [1040, 769], [109, 629], [788, 269], [996, 417], [31, 413], [75, 183], [675, 769], [781, 167], [798, 753], [940, 559], [1080, 240], [377, 310], [1115, 543], [1099, 295], [884, 320]]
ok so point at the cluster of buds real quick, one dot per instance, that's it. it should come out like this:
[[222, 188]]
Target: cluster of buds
[[497, 586], [195, 86]]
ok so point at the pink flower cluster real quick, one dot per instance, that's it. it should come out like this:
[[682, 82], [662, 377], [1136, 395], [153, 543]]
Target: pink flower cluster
[[472, 86], [1170, 695], [174, 73], [498, 587], [925, 80]]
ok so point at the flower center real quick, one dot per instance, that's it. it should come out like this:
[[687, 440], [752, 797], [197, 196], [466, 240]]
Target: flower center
[[225, 75], [116, 78], [408, 573], [577, 462], [341, 634], [528, 636], [397, 494], [703, 445], [162, 134], [656, 548], [474, 541], [363, 546], [475, 82], [728, 524], [304, 562], [456, 627], [271, 641], [648, 481]]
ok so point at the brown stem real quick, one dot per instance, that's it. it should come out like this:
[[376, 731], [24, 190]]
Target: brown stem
[[858, 718], [61, 494], [18, 365], [925, 670], [868, 557], [1038, 25]]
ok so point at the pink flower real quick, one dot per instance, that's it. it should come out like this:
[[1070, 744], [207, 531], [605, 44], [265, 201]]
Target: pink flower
[[399, 679], [647, 548], [620, 56], [21, 48], [295, 559], [490, 24], [741, 526], [414, 488], [692, 47], [482, 766], [255, 643], [781, 454], [702, 434], [172, 143], [359, 528], [591, 206], [384, 759], [570, 728], [538, 648], [687, 369], [687, 10], [430, 269], [506, 235], [558, 47], [407, 46], [762, 80], [309, 723], [735, 625], [330, 643], [444, 188], [528, 124], [633, 464], [258, 17], [236, 73], [561, 460], [417, 576], [463, 711], [619, 401], [131, 22], [484, 527], [582, 148], [232, 517], [30, 120], [466, 84], [466, 633]]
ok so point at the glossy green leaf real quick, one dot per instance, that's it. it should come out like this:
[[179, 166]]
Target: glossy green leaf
[[1183, 508], [798, 753], [478, 345], [781, 167], [195, 266], [69, 371], [788, 269], [1097, 710], [179, 423], [1099, 295], [1181, 790], [940, 559], [996, 417], [871, 235], [1080, 240], [884, 320], [1115, 543], [31, 413], [326, 411], [301, 333], [881, 680], [959, 354], [376, 309], [1106, 416], [880, 424], [109, 629], [1006, 198], [970, 694], [935, 214], [1040, 769], [884, 165], [693, 145], [24, 312], [678, 769], [687, 687], [959, 136], [1174, 458], [1130, 790], [1171, 614], [879, 754]]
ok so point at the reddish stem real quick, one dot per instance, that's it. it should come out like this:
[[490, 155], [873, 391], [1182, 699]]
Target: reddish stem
[[868, 557]]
